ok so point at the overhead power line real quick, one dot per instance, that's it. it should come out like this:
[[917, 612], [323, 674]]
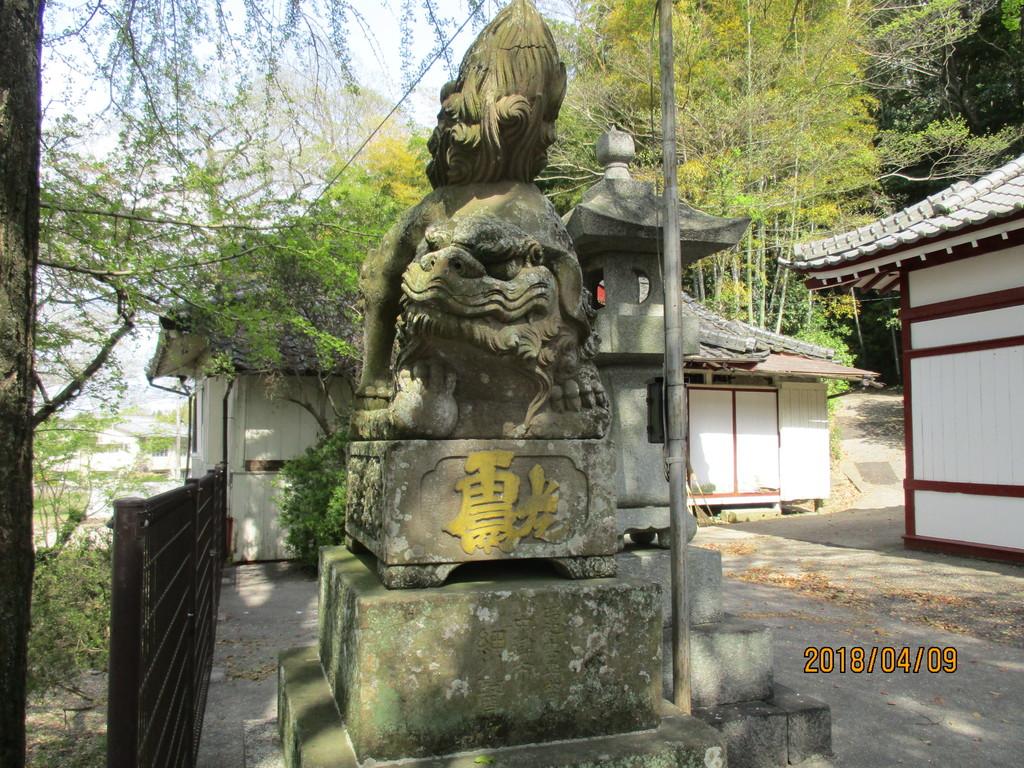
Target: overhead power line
[[397, 105]]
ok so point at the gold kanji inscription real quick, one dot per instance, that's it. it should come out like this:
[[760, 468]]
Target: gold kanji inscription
[[490, 515]]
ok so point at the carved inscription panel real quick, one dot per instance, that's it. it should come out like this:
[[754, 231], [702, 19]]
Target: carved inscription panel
[[533, 652], [492, 514]]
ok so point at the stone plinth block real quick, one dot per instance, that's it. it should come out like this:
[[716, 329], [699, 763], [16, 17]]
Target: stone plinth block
[[730, 661], [703, 579], [786, 729], [313, 735], [488, 663], [423, 507]]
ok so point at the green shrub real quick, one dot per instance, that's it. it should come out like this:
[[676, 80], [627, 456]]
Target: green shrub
[[313, 498], [70, 613]]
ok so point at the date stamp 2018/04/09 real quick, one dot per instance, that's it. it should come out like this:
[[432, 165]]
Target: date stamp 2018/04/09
[[857, 659]]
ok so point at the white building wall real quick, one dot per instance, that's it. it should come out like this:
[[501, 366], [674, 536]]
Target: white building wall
[[711, 443], [757, 442], [265, 424], [253, 506], [967, 408], [968, 417], [985, 273], [962, 329], [735, 443], [804, 464], [993, 520], [209, 405], [276, 428]]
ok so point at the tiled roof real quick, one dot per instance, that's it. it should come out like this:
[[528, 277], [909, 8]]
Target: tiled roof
[[185, 342], [999, 193], [735, 341]]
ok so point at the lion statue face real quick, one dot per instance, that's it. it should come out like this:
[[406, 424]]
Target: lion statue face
[[482, 282], [497, 119], [485, 298]]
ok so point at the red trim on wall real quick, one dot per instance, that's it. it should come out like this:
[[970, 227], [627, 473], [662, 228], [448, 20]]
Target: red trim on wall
[[735, 450], [965, 548], [908, 413], [970, 346], [1011, 297], [975, 489], [728, 387], [989, 244]]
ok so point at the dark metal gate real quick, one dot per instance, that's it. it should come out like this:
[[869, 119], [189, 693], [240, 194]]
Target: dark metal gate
[[169, 551]]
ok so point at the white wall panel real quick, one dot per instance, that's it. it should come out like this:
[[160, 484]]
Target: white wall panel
[[968, 416], [804, 463], [995, 520], [984, 273], [757, 441], [711, 441], [257, 534], [276, 428], [209, 425], [961, 329]]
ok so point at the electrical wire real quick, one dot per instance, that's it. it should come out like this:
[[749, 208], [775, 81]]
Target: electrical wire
[[396, 107]]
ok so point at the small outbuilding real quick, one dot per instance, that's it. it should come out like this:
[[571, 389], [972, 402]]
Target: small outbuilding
[[251, 416], [957, 261], [758, 413]]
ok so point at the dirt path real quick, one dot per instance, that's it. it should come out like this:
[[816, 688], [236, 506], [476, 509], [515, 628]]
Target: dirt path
[[871, 436]]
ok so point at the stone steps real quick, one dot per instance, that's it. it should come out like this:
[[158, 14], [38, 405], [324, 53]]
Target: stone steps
[[730, 661], [732, 686], [785, 729], [703, 579]]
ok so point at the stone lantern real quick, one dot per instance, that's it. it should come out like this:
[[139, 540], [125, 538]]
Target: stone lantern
[[617, 232]]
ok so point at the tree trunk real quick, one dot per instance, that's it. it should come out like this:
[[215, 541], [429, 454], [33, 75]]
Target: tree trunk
[[782, 301], [20, 41]]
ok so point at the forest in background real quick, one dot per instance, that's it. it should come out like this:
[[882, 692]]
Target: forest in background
[[807, 117]]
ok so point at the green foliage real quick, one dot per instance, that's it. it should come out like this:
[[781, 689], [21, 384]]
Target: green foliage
[[1013, 14], [62, 474], [313, 498], [949, 75], [774, 124], [828, 327], [70, 612], [948, 147]]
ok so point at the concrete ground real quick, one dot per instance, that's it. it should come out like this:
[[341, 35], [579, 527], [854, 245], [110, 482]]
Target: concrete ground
[[838, 580], [879, 719], [264, 609]]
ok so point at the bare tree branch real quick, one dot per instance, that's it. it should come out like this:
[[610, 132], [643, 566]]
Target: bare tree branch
[[69, 392]]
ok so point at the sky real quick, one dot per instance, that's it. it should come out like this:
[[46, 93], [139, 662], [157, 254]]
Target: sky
[[375, 45]]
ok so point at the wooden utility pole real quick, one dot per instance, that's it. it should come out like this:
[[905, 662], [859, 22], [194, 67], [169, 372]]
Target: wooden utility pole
[[675, 387]]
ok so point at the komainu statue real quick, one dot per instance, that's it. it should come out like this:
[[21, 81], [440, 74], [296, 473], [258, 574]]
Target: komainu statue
[[477, 322]]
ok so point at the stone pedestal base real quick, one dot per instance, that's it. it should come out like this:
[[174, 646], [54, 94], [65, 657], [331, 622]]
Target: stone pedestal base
[[486, 664], [424, 507], [765, 725], [785, 728], [313, 735], [703, 579]]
